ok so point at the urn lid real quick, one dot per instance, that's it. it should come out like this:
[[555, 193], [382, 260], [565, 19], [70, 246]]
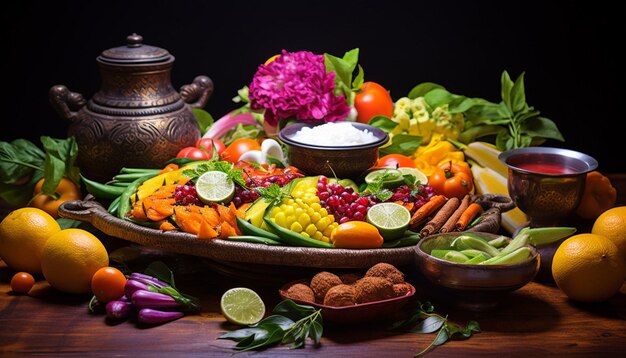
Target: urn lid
[[135, 52]]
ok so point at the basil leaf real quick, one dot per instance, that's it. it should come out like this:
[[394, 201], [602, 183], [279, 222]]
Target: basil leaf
[[404, 144], [19, 195], [507, 86], [19, 159], [429, 325], [438, 97], [159, 269], [383, 123], [59, 162], [542, 127], [358, 80], [518, 97], [423, 88], [204, 119]]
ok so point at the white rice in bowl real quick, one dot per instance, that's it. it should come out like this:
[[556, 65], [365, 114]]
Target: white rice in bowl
[[334, 134]]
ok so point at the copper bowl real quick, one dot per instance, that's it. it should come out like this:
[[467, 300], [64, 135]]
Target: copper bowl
[[348, 162], [472, 287]]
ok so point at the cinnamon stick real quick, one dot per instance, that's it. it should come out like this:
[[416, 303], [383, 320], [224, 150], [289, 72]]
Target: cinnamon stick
[[427, 210], [440, 218], [449, 225]]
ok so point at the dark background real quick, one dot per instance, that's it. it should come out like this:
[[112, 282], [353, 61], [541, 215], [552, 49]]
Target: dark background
[[570, 53]]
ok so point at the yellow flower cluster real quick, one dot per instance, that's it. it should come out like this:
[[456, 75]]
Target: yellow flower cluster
[[415, 118]]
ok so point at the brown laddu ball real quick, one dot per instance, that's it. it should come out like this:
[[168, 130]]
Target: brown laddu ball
[[350, 278], [339, 296], [322, 282], [401, 289], [387, 271], [300, 291], [372, 288]]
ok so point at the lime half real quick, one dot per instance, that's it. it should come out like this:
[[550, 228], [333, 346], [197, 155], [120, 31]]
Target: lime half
[[215, 187], [390, 219], [391, 178], [243, 306], [419, 176]]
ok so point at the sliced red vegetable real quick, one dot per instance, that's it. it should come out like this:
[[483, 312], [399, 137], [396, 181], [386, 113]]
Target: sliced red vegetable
[[148, 299], [118, 310], [152, 316]]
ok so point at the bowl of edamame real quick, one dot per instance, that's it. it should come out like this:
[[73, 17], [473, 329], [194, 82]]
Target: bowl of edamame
[[476, 270]]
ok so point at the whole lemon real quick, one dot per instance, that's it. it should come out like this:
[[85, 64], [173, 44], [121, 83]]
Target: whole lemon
[[23, 234], [612, 224], [70, 258], [588, 268]]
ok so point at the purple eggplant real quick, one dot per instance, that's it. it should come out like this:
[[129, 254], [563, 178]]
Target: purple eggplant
[[133, 285], [118, 310], [148, 299], [147, 279], [151, 316]]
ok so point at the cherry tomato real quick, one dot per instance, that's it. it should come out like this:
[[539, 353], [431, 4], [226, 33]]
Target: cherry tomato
[[238, 147], [395, 161], [452, 180], [207, 144], [22, 282], [107, 284], [372, 100], [66, 190], [193, 153]]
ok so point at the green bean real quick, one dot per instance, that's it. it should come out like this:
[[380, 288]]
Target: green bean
[[102, 191], [132, 176], [409, 240], [139, 170], [248, 229], [293, 238], [115, 204], [254, 239], [128, 191]]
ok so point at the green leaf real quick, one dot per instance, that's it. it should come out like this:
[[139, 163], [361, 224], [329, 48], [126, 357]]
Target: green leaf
[[358, 80], [442, 337], [383, 123], [59, 162], [421, 89], [241, 334], [504, 141], [241, 131], [507, 86], [518, 96], [542, 127], [204, 119], [18, 159], [159, 269], [292, 310], [429, 325], [438, 97], [462, 104], [281, 321], [404, 144], [317, 329], [343, 68], [19, 195]]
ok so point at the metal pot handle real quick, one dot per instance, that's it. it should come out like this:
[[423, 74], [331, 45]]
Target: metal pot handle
[[66, 103], [197, 93]]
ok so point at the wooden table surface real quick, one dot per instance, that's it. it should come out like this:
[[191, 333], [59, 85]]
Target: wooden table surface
[[537, 319]]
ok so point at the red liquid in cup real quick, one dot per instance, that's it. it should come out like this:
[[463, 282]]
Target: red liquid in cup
[[546, 168]]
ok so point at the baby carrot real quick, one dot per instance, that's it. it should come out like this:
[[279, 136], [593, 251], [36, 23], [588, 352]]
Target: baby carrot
[[468, 215]]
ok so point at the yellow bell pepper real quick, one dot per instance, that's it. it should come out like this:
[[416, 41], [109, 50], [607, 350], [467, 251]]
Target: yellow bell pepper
[[439, 151]]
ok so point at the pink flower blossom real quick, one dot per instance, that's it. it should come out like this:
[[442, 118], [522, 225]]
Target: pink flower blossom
[[296, 85]]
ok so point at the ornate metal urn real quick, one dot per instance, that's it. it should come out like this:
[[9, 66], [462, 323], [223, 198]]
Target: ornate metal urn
[[136, 119]]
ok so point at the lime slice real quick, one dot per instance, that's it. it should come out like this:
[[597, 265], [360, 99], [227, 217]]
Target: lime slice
[[390, 219], [419, 176], [242, 306], [215, 187], [392, 178]]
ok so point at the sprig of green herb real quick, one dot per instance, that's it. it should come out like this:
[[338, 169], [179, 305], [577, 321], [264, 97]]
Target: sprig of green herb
[[289, 323], [424, 320], [160, 271], [236, 175]]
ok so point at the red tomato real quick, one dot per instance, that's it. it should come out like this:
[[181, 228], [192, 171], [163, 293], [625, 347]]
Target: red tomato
[[207, 144], [107, 284], [193, 153], [372, 100], [453, 180], [238, 147], [22, 282], [395, 161]]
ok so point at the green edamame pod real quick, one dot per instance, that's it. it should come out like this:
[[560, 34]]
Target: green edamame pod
[[520, 240], [520, 255], [293, 238], [128, 192], [471, 242], [248, 229], [547, 235], [254, 239], [102, 191], [455, 256]]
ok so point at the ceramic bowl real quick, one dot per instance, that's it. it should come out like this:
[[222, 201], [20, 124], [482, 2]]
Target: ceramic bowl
[[546, 183], [385, 310], [470, 286], [349, 161]]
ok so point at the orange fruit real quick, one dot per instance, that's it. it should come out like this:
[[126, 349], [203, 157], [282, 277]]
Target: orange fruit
[[66, 190], [107, 284], [70, 258], [588, 268], [23, 234], [612, 224]]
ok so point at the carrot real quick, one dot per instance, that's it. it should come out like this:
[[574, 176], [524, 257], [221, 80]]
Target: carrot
[[449, 225], [426, 210], [166, 226], [468, 215], [206, 231], [440, 218]]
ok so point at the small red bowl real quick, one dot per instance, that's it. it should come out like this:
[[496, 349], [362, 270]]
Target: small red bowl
[[385, 310]]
